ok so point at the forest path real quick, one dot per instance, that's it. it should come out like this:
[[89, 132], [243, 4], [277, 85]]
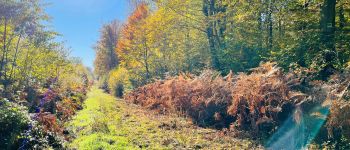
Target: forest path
[[108, 123]]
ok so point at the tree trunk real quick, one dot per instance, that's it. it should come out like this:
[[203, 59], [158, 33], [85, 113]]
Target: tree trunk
[[327, 24], [4, 47], [342, 20], [260, 41], [208, 6], [145, 58], [15, 57], [215, 29], [24, 69], [270, 25]]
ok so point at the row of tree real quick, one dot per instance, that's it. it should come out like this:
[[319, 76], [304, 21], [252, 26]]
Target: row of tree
[[41, 87], [29, 54], [165, 37]]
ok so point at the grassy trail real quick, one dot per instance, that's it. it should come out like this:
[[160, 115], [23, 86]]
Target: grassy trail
[[108, 123]]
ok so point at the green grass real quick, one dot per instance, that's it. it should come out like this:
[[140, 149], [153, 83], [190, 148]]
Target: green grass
[[95, 126], [108, 123]]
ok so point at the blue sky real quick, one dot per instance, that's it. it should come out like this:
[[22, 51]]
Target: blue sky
[[79, 22]]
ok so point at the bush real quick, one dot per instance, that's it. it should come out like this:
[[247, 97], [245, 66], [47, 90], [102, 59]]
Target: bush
[[35, 137], [103, 83], [67, 108], [18, 131], [118, 82], [247, 102], [258, 99], [338, 121], [13, 121]]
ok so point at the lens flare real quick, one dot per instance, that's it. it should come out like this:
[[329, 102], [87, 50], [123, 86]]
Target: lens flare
[[299, 129]]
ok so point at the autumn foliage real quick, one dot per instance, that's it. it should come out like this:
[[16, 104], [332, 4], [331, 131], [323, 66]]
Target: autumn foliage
[[130, 28], [262, 98], [201, 97], [339, 119]]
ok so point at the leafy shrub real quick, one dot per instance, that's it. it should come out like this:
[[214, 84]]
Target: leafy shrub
[[119, 82], [103, 83], [50, 107], [338, 121], [75, 79], [13, 121], [340, 104], [67, 108], [49, 122], [19, 130], [37, 138]]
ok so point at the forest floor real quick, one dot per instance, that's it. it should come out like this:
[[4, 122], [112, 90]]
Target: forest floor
[[110, 123]]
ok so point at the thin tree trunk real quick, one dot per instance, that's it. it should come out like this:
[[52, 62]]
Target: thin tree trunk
[[342, 20], [260, 33], [6, 59], [4, 47], [300, 53], [187, 54], [270, 25], [280, 28], [342, 37], [145, 58], [24, 69], [215, 29], [15, 57]]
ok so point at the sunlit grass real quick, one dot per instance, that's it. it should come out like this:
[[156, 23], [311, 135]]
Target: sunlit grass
[[97, 124], [108, 123]]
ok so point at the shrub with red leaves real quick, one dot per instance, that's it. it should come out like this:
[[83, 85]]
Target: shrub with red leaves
[[264, 98], [338, 121], [66, 109], [49, 121], [243, 101], [205, 98]]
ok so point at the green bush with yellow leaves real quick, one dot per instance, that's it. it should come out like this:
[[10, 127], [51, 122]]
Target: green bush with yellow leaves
[[118, 82]]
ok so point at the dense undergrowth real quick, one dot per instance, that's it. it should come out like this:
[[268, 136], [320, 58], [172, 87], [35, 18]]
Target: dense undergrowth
[[41, 86], [32, 115], [258, 102], [35, 118]]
